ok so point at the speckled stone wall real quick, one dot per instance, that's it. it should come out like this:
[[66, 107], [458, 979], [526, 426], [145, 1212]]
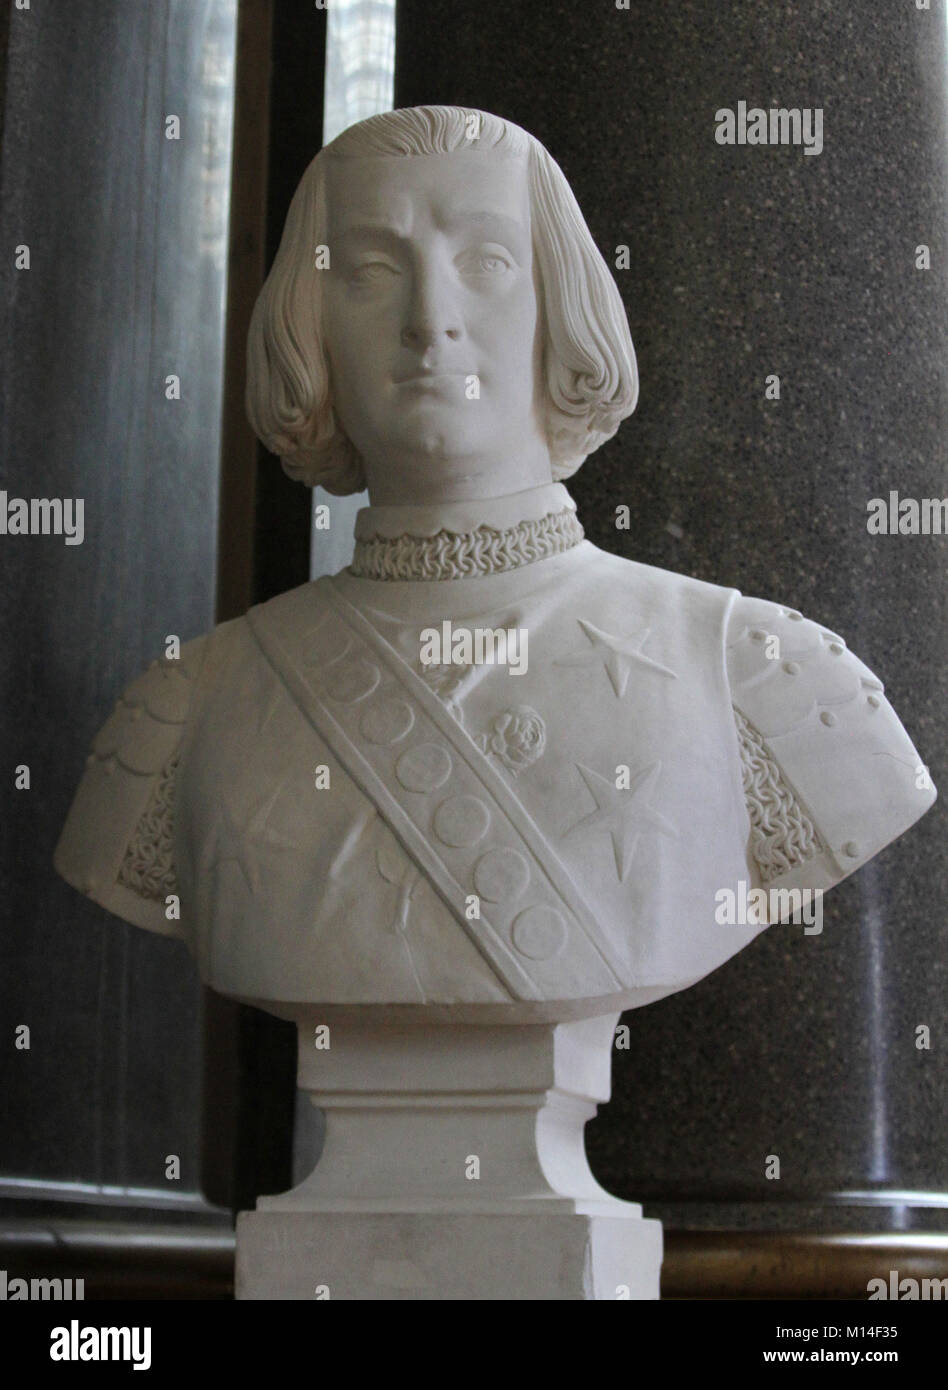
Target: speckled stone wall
[[746, 261]]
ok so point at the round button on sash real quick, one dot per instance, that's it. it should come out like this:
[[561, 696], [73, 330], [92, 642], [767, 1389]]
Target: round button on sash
[[501, 875], [539, 933], [387, 721], [461, 821], [424, 768], [351, 680]]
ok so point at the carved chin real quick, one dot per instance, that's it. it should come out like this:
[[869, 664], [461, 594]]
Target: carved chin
[[432, 442]]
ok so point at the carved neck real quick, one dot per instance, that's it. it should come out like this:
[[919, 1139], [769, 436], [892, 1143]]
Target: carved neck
[[458, 540]]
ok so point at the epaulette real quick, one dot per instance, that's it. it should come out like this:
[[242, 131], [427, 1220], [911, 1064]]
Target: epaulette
[[830, 775], [117, 845]]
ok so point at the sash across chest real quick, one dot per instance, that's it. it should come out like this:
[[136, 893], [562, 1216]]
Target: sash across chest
[[447, 805]]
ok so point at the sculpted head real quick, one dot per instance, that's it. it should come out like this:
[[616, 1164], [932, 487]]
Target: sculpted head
[[437, 310]]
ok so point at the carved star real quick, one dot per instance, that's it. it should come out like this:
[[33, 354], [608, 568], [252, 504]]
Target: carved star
[[623, 813], [618, 654], [236, 845]]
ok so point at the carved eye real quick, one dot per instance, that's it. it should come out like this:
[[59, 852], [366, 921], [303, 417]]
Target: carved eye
[[372, 272], [485, 262]]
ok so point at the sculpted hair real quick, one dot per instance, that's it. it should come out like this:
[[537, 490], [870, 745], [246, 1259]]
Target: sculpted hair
[[588, 359]]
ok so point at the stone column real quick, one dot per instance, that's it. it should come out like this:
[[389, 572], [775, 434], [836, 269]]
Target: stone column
[[111, 366], [747, 263]]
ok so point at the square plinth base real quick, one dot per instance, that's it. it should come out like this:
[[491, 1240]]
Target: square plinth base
[[346, 1255]]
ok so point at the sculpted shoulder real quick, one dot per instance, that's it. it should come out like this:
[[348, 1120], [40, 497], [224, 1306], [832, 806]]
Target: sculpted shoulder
[[815, 718], [625, 571], [117, 843]]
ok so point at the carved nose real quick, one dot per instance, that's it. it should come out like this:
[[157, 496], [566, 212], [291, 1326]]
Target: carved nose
[[431, 315], [427, 334]]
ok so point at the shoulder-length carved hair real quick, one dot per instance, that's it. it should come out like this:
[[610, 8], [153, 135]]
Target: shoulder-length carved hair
[[589, 364]]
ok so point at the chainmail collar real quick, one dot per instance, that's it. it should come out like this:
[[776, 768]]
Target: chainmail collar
[[459, 540]]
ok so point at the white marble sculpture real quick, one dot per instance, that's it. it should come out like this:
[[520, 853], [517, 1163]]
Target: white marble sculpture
[[457, 872]]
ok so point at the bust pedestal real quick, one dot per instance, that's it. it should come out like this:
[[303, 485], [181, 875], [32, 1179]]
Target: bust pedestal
[[453, 1168]]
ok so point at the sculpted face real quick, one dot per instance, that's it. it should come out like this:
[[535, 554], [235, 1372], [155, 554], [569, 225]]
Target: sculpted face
[[431, 324]]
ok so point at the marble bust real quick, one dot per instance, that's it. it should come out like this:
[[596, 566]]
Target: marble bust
[[356, 797], [458, 256]]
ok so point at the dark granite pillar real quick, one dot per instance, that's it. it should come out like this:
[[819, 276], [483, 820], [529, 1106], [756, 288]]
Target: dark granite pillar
[[127, 236], [747, 261]]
